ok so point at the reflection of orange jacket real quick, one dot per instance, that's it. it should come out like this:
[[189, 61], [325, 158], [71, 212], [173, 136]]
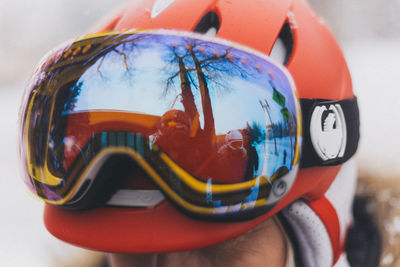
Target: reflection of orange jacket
[[228, 164]]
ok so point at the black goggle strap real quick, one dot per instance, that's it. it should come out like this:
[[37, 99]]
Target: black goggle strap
[[331, 131]]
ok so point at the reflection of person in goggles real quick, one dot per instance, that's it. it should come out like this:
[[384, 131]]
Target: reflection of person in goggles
[[216, 126]]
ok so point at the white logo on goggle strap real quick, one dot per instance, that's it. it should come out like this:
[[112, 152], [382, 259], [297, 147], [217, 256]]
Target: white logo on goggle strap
[[328, 132], [159, 6]]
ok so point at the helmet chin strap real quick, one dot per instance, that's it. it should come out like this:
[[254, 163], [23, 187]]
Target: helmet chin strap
[[331, 131]]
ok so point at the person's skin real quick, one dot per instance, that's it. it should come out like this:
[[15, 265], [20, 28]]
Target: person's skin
[[263, 246]]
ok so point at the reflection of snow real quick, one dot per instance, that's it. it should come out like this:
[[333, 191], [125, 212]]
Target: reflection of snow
[[375, 73], [271, 161]]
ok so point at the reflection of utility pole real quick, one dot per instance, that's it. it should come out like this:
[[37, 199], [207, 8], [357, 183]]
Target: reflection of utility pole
[[293, 127], [289, 126], [265, 106]]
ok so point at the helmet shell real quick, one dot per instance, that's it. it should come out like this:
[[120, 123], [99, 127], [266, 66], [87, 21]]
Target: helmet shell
[[319, 71]]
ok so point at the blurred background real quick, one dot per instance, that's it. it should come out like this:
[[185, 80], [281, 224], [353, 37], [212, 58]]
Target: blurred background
[[368, 31]]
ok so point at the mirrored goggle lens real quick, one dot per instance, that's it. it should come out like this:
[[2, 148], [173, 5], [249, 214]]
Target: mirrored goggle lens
[[216, 126]]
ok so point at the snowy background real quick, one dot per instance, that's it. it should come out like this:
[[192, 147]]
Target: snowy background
[[368, 30], [369, 33]]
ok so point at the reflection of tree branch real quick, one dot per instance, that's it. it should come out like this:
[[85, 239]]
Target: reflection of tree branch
[[93, 50], [98, 48], [221, 84], [182, 68], [209, 124], [170, 81], [215, 68], [98, 67], [185, 81], [192, 81], [118, 52], [176, 98], [216, 57], [125, 58]]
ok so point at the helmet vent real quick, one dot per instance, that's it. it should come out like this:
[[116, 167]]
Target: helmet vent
[[209, 24], [283, 47]]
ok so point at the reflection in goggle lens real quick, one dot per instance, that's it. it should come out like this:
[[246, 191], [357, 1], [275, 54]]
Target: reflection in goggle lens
[[220, 124]]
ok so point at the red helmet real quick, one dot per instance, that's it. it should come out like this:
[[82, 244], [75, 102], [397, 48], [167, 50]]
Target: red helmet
[[288, 30]]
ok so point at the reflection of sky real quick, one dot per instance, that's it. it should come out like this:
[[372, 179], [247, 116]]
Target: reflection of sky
[[243, 106], [140, 90], [109, 85]]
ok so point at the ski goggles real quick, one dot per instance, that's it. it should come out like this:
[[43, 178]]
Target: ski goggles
[[214, 125]]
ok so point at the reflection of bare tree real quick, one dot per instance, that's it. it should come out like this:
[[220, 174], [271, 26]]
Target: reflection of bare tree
[[61, 80], [197, 59], [84, 54], [209, 125], [202, 68], [186, 92]]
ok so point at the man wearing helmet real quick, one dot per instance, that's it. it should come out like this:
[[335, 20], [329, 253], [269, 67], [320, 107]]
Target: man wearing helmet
[[195, 149]]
